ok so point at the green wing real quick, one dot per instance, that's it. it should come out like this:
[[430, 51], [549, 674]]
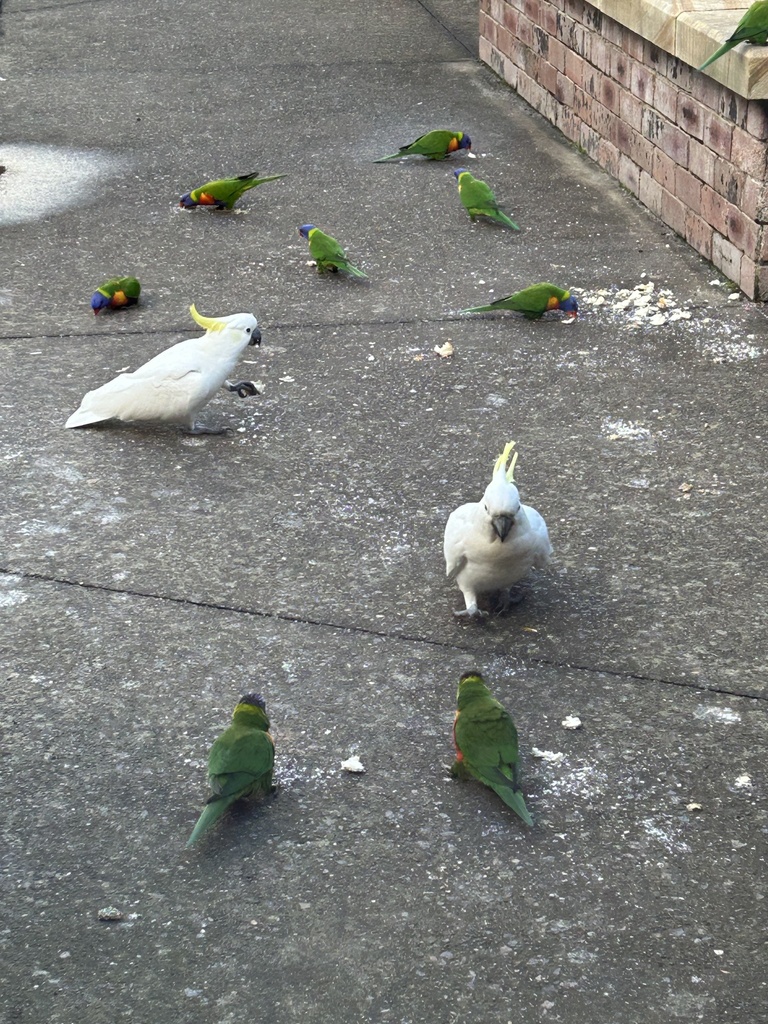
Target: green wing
[[241, 762], [325, 248], [475, 194], [130, 287], [432, 144], [753, 28], [229, 190]]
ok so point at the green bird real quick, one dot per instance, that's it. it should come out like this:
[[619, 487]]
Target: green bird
[[478, 199], [753, 28], [486, 743], [436, 145], [240, 762], [223, 194], [533, 302], [116, 293], [327, 253]]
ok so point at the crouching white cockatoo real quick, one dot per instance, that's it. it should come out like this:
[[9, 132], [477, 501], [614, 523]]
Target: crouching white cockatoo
[[491, 544], [175, 385]]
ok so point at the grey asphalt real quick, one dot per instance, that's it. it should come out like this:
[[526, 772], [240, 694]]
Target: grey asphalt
[[149, 579]]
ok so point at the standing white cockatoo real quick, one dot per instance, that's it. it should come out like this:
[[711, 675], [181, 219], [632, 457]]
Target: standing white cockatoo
[[175, 385], [491, 544]]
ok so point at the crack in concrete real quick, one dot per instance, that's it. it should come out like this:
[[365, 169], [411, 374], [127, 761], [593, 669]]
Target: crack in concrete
[[366, 631], [445, 28]]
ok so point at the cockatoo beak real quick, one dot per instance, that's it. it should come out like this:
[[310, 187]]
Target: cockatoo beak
[[255, 337], [502, 525]]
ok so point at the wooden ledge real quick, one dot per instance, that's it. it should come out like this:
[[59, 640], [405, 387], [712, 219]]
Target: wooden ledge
[[692, 30]]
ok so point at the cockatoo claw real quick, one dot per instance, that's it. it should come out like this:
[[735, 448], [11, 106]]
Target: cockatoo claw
[[473, 612], [243, 389], [200, 428]]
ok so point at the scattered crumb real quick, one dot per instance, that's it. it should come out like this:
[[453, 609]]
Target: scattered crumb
[[743, 782], [110, 914], [571, 722], [547, 755], [693, 808], [353, 764], [444, 351]]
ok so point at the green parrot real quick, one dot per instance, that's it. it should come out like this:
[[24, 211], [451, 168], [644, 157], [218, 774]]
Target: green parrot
[[223, 194], [240, 762], [533, 302], [115, 293], [435, 145], [753, 28], [478, 199], [327, 252], [486, 743]]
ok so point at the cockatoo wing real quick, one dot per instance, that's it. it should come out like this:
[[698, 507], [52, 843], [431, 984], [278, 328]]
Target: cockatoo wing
[[460, 522]]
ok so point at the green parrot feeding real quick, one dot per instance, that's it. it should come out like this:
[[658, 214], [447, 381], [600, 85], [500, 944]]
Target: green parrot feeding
[[533, 302], [224, 193], [479, 200], [115, 294], [753, 28], [485, 738], [436, 145], [240, 762], [327, 253]]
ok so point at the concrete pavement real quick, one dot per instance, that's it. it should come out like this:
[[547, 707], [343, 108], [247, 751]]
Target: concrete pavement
[[149, 578]]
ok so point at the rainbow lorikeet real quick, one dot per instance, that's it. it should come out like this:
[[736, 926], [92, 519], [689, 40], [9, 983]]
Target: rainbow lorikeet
[[116, 293], [479, 200], [486, 743], [240, 762], [224, 193], [533, 302], [436, 145], [327, 253], [753, 28]]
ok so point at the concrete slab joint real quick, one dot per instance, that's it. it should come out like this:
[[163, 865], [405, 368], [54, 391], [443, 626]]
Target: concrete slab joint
[[619, 79]]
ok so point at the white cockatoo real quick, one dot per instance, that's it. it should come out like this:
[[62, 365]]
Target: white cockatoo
[[491, 544], [175, 385]]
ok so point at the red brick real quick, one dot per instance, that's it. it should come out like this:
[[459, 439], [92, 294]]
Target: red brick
[[701, 161], [654, 57], [642, 83], [717, 134], [574, 68], [665, 96], [565, 90], [726, 257], [532, 9], [761, 284], [690, 116], [699, 234], [749, 153], [614, 32], [624, 135], [511, 19], [557, 54], [497, 10], [505, 42], [757, 118], [621, 68], [650, 193], [488, 28], [748, 277], [610, 95], [525, 31], [674, 143], [608, 157], [679, 73], [629, 174], [664, 170], [485, 6], [540, 41], [547, 76], [568, 123], [673, 212], [631, 110], [548, 20], [754, 200], [565, 26], [592, 80], [714, 209], [728, 181], [762, 247], [707, 91], [589, 140], [743, 232], [641, 151], [688, 189], [634, 45], [582, 105], [581, 41], [600, 55], [576, 8]]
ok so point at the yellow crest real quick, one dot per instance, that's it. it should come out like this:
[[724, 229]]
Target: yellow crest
[[208, 323], [501, 462]]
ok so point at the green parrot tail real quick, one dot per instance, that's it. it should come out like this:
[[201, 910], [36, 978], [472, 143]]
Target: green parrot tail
[[480, 309], [212, 811], [502, 218], [386, 159], [270, 177], [718, 53], [355, 272], [514, 799]]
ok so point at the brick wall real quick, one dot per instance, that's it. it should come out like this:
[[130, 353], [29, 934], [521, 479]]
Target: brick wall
[[693, 151]]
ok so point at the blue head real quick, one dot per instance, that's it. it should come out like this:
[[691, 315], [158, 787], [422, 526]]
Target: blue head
[[570, 305], [187, 201], [305, 229], [458, 171], [254, 699], [465, 142], [99, 301]]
